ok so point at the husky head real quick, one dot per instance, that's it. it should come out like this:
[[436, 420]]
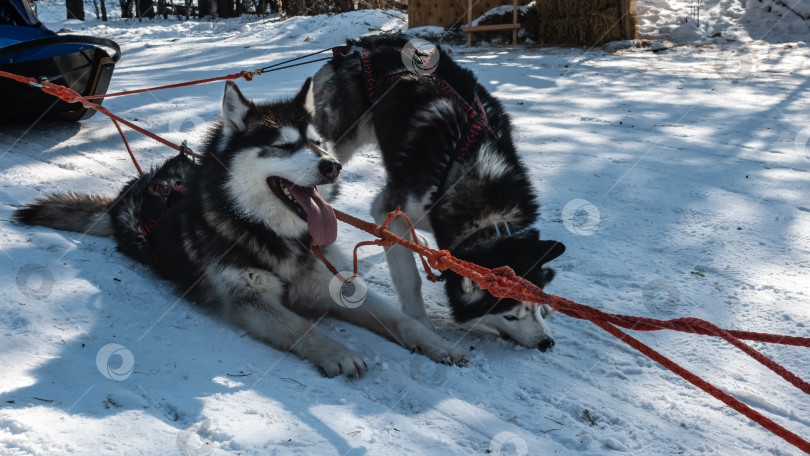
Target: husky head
[[521, 322], [271, 161]]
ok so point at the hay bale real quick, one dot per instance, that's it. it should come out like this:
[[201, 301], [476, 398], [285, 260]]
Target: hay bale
[[582, 22], [563, 8], [586, 29], [567, 22]]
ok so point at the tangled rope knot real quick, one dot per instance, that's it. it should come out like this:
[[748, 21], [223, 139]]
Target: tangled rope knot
[[438, 259], [500, 281], [503, 282], [249, 75]]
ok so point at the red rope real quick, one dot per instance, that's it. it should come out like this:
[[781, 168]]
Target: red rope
[[248, 75], [504, 283], [71, 96]]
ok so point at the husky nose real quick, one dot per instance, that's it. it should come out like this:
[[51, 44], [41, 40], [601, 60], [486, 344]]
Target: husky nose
[[545, 344], [329, 169]]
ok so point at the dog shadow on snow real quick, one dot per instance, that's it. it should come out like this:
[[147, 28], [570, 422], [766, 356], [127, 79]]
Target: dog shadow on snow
[[115, 338]]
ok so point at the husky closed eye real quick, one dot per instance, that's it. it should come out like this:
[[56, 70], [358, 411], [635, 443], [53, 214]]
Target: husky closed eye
[[510, 317]]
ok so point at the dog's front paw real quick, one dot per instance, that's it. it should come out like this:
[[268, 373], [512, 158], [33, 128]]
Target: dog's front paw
[[415, 336], [445, 353], [341, 361]]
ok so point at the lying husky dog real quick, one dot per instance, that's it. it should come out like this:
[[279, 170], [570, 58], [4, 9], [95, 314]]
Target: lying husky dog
[[234, 232], [451, 165]]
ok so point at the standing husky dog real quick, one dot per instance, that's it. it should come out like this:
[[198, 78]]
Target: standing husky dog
[[234, 232], [451, 165]]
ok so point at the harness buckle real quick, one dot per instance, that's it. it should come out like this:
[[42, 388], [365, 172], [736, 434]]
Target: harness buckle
[[502, 228], [184, 147]]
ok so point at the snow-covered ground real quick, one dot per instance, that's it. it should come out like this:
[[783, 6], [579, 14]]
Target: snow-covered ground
[[696, 21], [678, 179]]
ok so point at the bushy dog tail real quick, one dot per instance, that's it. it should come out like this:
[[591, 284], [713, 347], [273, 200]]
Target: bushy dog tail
[[78, 212]]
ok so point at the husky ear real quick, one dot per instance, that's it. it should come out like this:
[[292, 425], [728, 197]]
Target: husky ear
[[549, 250], [234, 108], [305, 97]]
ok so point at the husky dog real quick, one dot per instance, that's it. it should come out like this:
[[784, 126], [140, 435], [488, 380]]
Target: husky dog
[[234, 232], [451, 165]]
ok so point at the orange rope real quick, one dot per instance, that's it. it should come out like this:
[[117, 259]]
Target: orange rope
[[504, 283], [71, 96], [248, 75]]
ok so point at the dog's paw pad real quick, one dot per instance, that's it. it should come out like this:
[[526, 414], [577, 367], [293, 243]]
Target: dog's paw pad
[[459, 356], [346, 363], [447, 355]]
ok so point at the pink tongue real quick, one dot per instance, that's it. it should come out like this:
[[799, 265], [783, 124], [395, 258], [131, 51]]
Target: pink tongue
[[320, 215]]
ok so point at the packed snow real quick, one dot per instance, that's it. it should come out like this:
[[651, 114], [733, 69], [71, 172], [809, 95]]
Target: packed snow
[[702, 21], [677, 176]]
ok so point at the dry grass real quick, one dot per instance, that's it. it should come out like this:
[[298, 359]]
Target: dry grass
[[564, 22], [564, 8], [590, 28], [580, 22]]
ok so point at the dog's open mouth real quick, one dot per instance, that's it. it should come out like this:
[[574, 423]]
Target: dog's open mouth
[[307, 204]]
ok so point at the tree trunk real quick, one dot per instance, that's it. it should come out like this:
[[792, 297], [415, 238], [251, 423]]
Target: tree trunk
[[126, 8], [145, 8], [75, 9], [205, 8], [104, 10], [228, 8], [294, 7], [342, 6]]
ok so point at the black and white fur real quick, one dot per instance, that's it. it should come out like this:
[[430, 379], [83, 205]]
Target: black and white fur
[[238, 239], [416, 126]]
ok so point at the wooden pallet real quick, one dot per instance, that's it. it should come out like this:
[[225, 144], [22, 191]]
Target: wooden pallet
[[469, 29]]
